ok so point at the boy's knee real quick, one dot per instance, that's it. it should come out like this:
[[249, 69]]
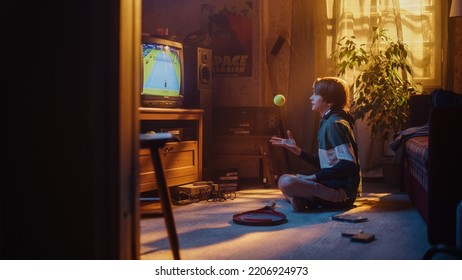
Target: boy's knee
[[285, 181]]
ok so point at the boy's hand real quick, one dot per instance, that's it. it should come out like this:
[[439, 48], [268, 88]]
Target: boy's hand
[[306, 177], [288, 143]]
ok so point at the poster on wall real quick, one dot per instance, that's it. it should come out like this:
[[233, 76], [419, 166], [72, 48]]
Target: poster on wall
[[229, 23]]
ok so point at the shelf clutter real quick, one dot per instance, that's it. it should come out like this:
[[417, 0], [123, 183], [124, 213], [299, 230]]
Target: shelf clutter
[[201, 191], [241, 140]]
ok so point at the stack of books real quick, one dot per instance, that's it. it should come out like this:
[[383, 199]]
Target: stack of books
[[227, 180]]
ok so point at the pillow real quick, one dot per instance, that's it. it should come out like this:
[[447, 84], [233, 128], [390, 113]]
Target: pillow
[[445, 98]]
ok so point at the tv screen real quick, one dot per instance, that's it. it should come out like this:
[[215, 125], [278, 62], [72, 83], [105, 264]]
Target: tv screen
[[162, 72]]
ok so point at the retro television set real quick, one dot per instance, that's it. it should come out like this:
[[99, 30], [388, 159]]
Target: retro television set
[[163, 72]]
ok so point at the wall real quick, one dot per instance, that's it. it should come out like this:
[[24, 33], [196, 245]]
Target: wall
[[269, 72], [277, 34], [185, 17]]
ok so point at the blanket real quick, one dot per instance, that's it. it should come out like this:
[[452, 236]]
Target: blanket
[[402, 136]]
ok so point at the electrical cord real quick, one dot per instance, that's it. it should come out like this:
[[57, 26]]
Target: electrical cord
[[183, 198]]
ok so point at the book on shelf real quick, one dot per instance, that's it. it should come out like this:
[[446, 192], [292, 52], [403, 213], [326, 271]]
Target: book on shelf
[[228, 186], [227, 189], [227, 172], [240, 132], [228, 178], [231, 173]]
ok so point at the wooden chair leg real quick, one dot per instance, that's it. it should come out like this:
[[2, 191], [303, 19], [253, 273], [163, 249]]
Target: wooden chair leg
[[165, 201], [154, 142]]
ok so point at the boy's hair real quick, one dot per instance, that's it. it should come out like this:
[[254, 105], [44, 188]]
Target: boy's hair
[[333, 90]]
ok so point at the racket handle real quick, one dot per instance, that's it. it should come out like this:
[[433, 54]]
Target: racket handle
[[271, 204]]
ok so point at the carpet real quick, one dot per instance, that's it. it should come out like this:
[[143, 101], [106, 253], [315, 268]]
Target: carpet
[[206, 231]]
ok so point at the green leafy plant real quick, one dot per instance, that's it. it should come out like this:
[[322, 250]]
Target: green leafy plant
[[383, 84]]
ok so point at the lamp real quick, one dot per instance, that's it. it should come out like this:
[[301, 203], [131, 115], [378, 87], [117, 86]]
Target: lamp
[[456, 8]]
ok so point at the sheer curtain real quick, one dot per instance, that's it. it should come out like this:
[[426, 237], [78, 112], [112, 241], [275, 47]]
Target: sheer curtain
[[417, 23]]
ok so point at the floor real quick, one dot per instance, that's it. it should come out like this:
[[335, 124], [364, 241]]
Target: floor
[[206, 232]]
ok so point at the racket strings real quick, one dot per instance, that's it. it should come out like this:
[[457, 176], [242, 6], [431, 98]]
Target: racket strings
[[265, 216], [261, 216]]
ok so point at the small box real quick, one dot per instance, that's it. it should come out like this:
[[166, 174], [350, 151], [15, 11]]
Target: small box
[[349, 218], [194, 189], [363, 237]]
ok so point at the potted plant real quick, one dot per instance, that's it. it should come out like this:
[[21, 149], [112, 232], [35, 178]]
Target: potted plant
[[382, 82]]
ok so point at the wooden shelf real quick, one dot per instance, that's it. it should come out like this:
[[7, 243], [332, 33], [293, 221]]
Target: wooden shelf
[[250, 154], [182, 160]]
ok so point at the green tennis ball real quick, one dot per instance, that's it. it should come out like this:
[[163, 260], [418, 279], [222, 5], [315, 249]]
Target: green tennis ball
[[279, 100]]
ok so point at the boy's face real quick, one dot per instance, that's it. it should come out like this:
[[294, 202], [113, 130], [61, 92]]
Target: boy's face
[[318, 104]]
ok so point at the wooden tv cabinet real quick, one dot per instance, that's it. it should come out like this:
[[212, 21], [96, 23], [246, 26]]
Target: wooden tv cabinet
[[182, 161]]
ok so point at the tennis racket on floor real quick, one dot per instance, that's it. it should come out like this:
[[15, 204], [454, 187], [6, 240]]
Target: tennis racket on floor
[[265, 216]]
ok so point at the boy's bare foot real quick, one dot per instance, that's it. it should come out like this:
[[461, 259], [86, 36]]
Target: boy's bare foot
[[299, 204]]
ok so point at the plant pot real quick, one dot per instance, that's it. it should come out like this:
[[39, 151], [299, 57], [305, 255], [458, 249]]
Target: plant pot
[[391, 172]]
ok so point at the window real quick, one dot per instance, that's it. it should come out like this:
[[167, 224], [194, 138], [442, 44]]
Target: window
[[418, 23]]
